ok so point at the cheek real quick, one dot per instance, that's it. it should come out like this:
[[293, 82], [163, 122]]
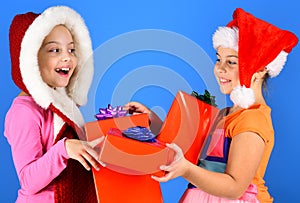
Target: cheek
[[75, 61], [215, 71], [48, 65], [44, 61], [237, 78]]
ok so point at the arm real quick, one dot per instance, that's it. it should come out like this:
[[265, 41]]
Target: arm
[[35, 167], [136, 108], [36, 164], [244, 157]]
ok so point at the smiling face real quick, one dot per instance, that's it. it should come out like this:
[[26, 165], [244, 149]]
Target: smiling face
[[56, 57], [227, 69]]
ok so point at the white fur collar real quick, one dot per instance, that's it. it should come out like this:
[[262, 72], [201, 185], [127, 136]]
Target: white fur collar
[[66, 100]]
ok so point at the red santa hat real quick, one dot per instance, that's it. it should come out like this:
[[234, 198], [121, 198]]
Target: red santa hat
[[26, 35], [259, 45]]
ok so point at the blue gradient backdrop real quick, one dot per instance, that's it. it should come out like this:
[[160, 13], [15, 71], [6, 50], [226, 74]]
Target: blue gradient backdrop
[[152, 73]]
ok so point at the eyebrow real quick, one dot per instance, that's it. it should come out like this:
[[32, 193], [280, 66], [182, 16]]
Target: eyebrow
[[55, 42], [227, 56]]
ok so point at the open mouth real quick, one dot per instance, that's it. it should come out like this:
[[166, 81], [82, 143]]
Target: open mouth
[[63, 71]]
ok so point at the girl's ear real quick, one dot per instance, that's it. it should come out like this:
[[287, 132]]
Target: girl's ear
[[259, 75]]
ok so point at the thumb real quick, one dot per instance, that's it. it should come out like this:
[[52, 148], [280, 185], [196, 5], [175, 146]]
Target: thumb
[[95, 142], [177, 150]]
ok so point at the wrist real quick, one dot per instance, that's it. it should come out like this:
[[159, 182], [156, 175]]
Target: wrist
[[187, 169], [65, 151]]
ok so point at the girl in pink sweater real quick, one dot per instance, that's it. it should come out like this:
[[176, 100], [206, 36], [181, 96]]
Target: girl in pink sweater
[[52, 65]]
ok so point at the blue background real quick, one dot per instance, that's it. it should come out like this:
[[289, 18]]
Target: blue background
[[196, 21]]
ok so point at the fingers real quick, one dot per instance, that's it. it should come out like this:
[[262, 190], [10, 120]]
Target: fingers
[[165, 178], [177, 150], [175, 147], [168, 175], [135, 107], [165, 168], [84, 153], [102, 163], [95, 142], [91, 160], [176, 168], [95, 156], [92, 150], [82, 161]]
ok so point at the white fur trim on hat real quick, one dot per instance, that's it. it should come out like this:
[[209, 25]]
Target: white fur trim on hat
[[242, 96], [226, 37], [275, 67], [66, 99]]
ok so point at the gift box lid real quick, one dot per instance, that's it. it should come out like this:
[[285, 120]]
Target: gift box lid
[[96, 129]]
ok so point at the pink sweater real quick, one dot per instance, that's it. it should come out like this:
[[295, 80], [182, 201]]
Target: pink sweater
[[29, 131]]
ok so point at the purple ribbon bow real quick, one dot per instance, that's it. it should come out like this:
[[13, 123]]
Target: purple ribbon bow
[[110, 112], [142, 134]]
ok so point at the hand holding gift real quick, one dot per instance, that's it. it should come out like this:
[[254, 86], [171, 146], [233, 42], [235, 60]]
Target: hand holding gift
[[84, 152], [186, 127], [135, 108], [177, 168]]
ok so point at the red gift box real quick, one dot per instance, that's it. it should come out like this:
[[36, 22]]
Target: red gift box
[[134, 157], [127, 178], [187, 124]]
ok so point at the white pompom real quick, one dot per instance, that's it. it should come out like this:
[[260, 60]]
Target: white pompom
[[242, 96], [277, 64]]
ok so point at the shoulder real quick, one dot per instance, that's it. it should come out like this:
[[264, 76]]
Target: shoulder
[[26, 103], [256, 119], [257, 112], [24, 108]]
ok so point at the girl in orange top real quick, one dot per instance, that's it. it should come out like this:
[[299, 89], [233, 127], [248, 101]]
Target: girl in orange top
[[249, 50]]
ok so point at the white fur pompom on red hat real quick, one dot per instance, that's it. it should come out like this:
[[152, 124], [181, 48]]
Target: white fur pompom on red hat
[[242, 96], [259, 45]]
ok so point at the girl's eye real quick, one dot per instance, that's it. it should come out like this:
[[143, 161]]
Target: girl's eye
[[72, 50], [54, 50], [231, 62]]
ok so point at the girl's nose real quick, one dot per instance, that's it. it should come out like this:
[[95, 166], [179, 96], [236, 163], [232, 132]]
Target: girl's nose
[[65, 58], [220, 67]]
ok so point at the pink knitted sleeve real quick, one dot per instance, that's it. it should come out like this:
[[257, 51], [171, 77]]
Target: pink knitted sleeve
[[29, 131]]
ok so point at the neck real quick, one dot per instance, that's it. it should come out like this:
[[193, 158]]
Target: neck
[[257, 88], [233, 109], [22, 93]]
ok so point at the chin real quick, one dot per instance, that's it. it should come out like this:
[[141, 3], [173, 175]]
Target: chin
[[225, 91], [61, 85]]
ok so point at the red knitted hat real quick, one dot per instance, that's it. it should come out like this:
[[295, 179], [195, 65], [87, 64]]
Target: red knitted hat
[[17, 31], [259, 44]]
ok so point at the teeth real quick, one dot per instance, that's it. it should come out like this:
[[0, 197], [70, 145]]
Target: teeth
[[224, 80], [62, 70]]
